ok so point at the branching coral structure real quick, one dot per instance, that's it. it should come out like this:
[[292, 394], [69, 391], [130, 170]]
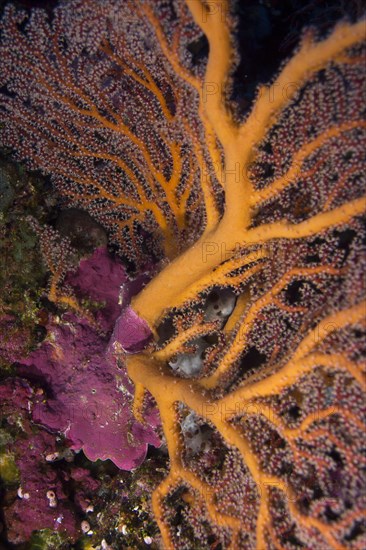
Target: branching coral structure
[[123, 140], [258, 311]]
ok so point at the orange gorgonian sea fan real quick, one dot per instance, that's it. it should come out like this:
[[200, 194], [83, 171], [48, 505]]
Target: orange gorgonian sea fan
[[102, 98], [256, 366]]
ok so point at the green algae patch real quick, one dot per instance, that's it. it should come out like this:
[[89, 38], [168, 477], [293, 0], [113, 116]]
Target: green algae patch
[[47, 540], [9, 473]]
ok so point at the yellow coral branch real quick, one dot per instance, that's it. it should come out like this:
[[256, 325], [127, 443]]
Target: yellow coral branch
[[312, 226], [239, 341], [298, 159], [213, 20]]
